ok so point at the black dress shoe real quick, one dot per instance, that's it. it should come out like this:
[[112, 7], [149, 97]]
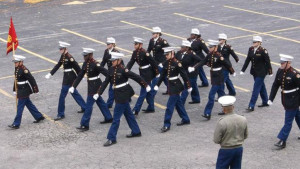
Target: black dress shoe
[[299, 138], [203, 86], [222, 113], [80, 111], [106, 121], [148, 111], [183, 123], [207, 116], [250, 109], [59, 118], [82, 128], [192, 102], [13, 126], [109, 143], [263, 105], [165, 129], [166, 93], [134, 135], [109, 107], [280, 144], [39, 120]]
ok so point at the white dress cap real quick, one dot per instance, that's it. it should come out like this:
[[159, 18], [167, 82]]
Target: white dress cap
[[222, 36], [63, 44], [110, 40], [285, 58], [212, 43], [186, 43], [87, 51], [116, 55], [195, 31], [156, 29], [168, 49], [227, 100], [138, 40], [18, 58], [257, 39]]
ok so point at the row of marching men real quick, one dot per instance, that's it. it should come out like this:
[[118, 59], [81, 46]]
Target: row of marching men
[[164, 66]]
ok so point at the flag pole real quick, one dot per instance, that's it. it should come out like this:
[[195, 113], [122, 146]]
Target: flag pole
[[16, 87]]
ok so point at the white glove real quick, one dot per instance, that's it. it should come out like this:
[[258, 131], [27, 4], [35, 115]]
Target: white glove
[[160, 65], [83, 79], [190, 89], [271, 75], [241, 73], [157, 76], [234, 74], [191, 69], [156, 88], [96, 96], [48, 76], [15, 93], [148, 88], [71, 89], [270, 102]]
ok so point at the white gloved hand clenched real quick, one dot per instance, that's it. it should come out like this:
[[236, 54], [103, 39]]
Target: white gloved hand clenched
[[271, 75], [48, 76], [160, 65], [148, 88], [190, 89], [157, 76], [234, 74], [15, 93], [71, 89], [270, 102], [156, 88], [96, 96], [191, 69], [241, 73]]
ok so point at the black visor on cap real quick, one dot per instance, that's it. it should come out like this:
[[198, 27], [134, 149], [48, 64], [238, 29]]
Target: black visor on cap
[[84, 54]]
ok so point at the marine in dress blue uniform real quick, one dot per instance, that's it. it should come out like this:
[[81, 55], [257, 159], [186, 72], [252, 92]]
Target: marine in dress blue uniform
[[260, 67], [156, 45], [198, 46], [118, 75], [289, 80], [226, 50], [70, 69], [189, 58], [24, 86], [92, 69], [148, 70], [172, 68], [215, 61], [111, 47]]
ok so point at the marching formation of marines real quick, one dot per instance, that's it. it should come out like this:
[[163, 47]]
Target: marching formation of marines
[[161, 63]]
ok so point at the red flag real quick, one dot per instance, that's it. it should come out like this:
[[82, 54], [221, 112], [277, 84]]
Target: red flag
[[12, 40]]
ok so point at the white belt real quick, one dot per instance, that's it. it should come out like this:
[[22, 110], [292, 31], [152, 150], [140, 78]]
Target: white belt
[[24, 82], [290, 91], [94, 78], [216, 69], [173, 78], [68, 70], [121, 85], [145, 67]]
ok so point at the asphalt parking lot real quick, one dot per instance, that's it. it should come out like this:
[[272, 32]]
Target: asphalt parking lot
[[41, 24]]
